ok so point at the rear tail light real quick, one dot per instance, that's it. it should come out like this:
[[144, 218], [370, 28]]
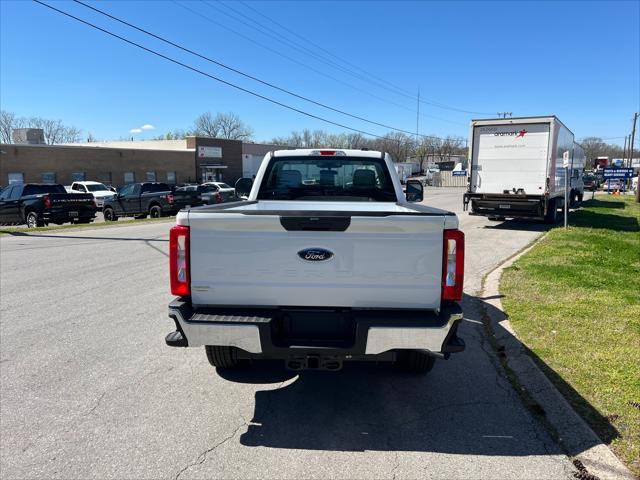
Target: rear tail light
[[217, 198], [452, 265], [179, 268], [170, 198], [47, 202]]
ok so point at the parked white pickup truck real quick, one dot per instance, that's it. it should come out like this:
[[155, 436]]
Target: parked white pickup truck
[[306, 269]]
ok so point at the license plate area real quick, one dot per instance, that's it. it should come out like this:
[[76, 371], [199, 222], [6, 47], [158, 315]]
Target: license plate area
[[310, 327], [504, 207], [73, 214]]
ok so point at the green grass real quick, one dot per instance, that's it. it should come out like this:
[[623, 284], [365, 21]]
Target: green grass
[[574, 300], [23, 229]]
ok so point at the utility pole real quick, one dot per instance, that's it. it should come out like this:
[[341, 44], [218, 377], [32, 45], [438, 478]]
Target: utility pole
[[624, 152], [633, 137], [418, 117]]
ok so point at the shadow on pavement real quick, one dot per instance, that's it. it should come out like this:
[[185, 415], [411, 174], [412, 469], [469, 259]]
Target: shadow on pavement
[[515, 224], [268, 371], [464, 406]]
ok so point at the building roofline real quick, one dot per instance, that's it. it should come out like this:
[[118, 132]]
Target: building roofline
[[97, 147]]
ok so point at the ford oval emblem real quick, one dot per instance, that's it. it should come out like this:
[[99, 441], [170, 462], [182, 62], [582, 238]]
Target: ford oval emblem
[[315, 254]]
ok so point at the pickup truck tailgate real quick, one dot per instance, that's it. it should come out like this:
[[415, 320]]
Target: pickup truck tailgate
[[388, 256]]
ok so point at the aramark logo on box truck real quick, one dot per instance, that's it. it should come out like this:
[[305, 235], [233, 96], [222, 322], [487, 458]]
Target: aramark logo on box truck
[[519, 134]]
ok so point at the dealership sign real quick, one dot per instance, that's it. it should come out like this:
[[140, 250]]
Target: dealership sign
[[613, 173], [209, 152]]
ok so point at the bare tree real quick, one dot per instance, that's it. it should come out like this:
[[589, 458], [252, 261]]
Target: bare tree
[[223, 125], [424, 147], [354, 140], [177, 134], [397, 144], [232, 128], [206, 126], [446, 147], [7, 124], [55, 131], [70, 135]]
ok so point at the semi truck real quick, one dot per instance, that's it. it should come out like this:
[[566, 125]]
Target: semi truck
[[516, 168]]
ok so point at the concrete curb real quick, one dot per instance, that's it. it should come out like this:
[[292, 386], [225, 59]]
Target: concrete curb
[[592, 458]]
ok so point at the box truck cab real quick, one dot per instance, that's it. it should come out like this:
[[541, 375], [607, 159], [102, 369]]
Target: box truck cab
[[516, 167]]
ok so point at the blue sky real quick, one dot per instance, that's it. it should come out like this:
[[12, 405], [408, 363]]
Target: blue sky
[[577, 60]]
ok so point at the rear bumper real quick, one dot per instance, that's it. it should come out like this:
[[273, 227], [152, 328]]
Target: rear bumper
[[363, 332], [505, 205], [64, 216]]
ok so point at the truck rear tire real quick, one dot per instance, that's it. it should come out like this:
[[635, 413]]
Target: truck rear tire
[[33, 221], [552, 213], [155, 211], [222, 357], [415, 361]]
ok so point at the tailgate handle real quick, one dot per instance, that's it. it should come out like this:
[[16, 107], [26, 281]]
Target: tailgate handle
[[315, 224]]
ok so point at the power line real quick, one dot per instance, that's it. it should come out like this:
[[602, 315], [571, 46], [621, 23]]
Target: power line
[[369, 75], [319, 47], [227, 67], [304, 65], [277, 36], [291, 59], [177, 62], [264, 29]]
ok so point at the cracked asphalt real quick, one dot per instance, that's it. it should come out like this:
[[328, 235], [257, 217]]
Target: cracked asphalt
[[89, 390]]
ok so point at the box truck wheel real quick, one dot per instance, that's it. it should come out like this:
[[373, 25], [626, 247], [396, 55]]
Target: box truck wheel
[[552, 212]]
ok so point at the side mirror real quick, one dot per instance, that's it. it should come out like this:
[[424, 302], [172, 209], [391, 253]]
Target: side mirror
[[243, 187], [415, 191]]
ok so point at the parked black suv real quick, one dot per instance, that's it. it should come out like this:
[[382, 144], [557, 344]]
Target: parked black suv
[[38, 204], [141, 199]]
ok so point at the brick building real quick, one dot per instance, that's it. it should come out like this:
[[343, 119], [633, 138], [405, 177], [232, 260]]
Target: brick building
[[195, 159]]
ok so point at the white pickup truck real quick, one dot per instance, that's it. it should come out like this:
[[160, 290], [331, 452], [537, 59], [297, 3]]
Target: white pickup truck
[[306, 269]]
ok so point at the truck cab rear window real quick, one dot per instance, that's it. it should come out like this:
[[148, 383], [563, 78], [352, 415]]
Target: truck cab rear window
[[155, 187], [328, 179], [42, 189]]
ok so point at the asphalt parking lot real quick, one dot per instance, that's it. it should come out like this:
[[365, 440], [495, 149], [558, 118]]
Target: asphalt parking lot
[[89, 389]]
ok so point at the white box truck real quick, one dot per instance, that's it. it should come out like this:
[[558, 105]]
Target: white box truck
[[516, 167]]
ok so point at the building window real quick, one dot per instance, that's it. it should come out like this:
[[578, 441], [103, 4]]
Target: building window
[[129, 177], [49, 177], [171, 178], [77, 177], [151, 176], [105, 177], [15, 178]]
